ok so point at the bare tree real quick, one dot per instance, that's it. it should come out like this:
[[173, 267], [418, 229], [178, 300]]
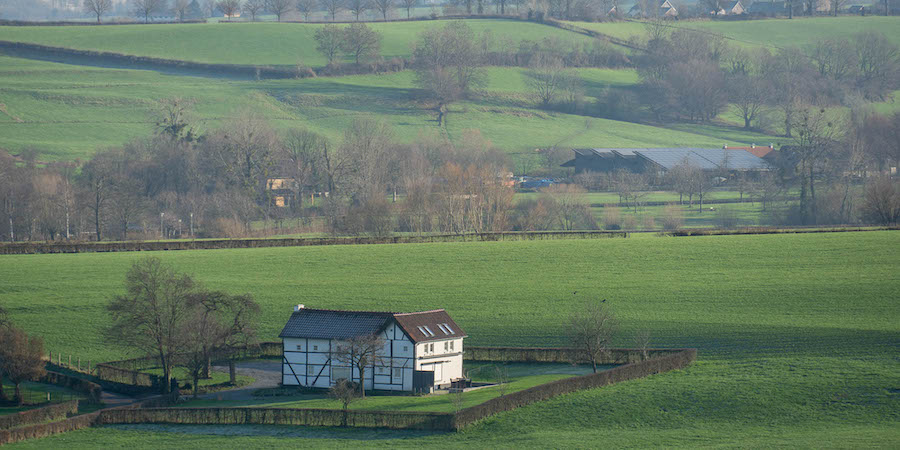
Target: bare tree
[[333, 7], [279, 7], [303, 160], [97, 181], [306, 7], [173, 118], [358, 7], [817, 132], [151, 315], [409, 5], [344, 391], [591, 330], [360, 41], [545, 78], [229, 8], [329, 39], [97, 7], [217, 325], [879, 64], [749, 95], [384, 7], [448, 64], [882, 201], [359, 353], [147, 8], [569, 203], [253, 7], [21, 358]]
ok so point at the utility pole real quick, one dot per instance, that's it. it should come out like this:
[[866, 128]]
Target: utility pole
[[161, 229], [192, 225]]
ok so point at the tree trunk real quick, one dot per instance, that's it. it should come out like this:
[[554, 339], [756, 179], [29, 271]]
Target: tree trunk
[[206, 366], [196, 382], [232, 375], [594, 364], [362, 382], [2, 392], [812, 194], [19, 399]]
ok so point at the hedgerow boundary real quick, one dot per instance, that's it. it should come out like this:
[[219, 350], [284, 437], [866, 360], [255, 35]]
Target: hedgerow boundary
[[28, 248], [38, 415]]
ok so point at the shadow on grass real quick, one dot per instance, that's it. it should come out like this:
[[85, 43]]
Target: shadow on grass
[[280, 431]]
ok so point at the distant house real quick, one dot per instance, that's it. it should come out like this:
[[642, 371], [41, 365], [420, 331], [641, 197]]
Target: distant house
[[660, 160], [422, 350], [731, 9], [770, 9], [665, 10], [857, 9]]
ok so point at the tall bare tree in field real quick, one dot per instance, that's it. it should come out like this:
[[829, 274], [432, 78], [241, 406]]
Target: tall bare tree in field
[[329, 39], [545, 78], [333, 7], [361, 41], [147, 8], [229, 8], [384, 7], [150, 316], [358, 7], [254, 7], [591, 330], [409, 5], [306, 7], [97, 7], [279, 7], [180, 8]]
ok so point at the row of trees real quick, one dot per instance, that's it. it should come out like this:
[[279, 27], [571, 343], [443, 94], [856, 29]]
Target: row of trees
[[695, 76]]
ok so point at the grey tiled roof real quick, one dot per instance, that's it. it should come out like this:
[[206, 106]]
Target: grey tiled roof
[[329, 324]]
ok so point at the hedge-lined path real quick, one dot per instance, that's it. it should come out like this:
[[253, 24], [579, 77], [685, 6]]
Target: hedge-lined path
[[266, 374]]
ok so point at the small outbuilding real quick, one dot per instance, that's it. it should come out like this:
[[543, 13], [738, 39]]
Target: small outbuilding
[[421, 351]]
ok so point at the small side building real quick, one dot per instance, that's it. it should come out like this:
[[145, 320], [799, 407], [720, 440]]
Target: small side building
[[422, 350]]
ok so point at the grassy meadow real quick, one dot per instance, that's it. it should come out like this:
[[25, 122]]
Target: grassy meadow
[[283, 44], [68, 111], [797, 333]]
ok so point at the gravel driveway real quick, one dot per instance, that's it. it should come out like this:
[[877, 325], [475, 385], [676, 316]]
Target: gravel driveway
[[267, 374]]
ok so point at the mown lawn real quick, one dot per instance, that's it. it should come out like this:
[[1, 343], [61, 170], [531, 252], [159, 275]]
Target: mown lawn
[[797, 333]]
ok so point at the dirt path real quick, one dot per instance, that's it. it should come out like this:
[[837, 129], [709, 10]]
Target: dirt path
[[267, 374], [113, 400]]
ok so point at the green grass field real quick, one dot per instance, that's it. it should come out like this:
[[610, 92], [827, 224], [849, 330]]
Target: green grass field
[[797, 333], [772, 33], [67, 111], [255, 43]]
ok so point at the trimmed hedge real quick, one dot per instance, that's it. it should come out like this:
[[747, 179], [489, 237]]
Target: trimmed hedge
[[92, 390], [782, 230], [678, 360], [112, 374], [48, 429], [559, 355], [38, 415], [275, 416], [81, 247]]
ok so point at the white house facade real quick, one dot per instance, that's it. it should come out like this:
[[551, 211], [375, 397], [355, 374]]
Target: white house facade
[[422, 350]]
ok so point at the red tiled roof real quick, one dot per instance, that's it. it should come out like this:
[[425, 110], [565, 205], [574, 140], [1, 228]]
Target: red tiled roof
[[758, 151], [429, 326]]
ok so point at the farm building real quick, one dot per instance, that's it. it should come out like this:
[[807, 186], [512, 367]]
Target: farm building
[[658, 160], [421, 350]]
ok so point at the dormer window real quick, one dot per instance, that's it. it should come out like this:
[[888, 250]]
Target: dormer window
[[430, 333], [448, 328]]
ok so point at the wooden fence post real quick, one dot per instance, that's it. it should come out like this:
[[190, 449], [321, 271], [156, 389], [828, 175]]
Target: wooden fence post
[[69, 364], [79, 364]]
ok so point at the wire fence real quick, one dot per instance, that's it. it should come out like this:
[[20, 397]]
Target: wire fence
[[32, 397]]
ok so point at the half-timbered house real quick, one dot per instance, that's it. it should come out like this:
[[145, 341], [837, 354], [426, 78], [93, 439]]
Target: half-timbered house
[[422, 350]]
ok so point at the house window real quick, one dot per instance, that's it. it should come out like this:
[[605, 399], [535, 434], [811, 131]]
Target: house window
[[451, 345], [431, 348], [338, 373], [446, 346], [311, 370], [430, 333], [299, 347], [405, 348], [315, 347], [396, 373], [381, 370], [445, 329], [448, 328]]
